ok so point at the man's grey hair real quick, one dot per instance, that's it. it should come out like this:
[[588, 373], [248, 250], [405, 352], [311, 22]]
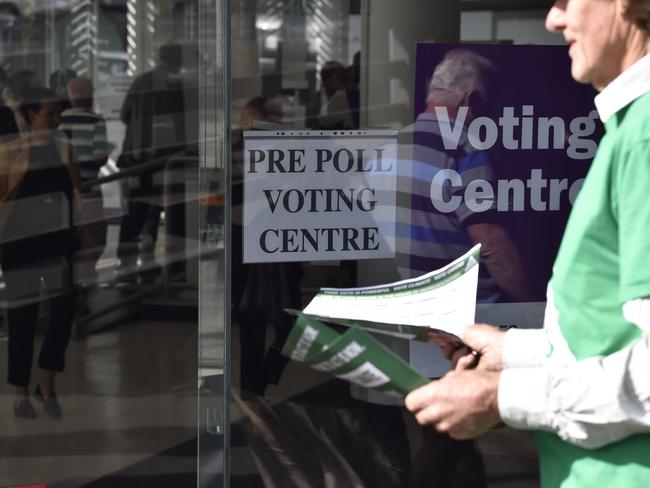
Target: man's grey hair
[[640, 12], [460, 72]]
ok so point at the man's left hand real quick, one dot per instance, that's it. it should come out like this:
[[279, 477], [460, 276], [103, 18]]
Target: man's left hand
[[462, 403]]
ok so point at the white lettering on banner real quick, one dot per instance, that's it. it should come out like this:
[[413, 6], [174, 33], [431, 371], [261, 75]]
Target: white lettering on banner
[[347, 354], [483, 132], [319, 195], [479, 195]]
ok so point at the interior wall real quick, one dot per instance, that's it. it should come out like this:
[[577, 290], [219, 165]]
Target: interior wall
[[516, 26]]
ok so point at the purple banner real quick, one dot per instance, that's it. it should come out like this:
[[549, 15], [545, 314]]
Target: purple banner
[[502, 139]]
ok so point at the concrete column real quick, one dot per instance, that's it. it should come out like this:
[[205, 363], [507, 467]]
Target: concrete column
[[82, 30], [330, 27], [391, 31], [294, 45], [246, 69], [141, 22]]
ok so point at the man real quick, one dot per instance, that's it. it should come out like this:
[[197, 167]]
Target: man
[[462, 82], [86, 132], [260, 291], [581, 383], [8, 126], [334, 105], [154, 115]]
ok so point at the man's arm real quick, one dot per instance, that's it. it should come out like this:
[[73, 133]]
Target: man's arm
[[499, 349], [135, 90], [101, 147], [590, 403], [503, 261]]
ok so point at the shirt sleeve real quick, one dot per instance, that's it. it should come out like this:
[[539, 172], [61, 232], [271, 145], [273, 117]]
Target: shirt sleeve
[[524, 348], [100, 140], [632, 212], [477, 174], [590, 403]]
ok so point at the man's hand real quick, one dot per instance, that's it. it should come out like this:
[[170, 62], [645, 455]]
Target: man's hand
[[462, 403], [487, 340]]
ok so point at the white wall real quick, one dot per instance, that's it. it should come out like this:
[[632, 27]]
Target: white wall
[[391, 31], [518, 27]]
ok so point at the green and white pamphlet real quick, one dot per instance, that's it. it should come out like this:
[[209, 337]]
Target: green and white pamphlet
[[435, 307]]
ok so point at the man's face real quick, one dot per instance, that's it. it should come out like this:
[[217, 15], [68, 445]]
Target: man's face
[[597, 34]]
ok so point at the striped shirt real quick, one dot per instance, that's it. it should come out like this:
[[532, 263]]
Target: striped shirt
[[86, 131], [428, 238]]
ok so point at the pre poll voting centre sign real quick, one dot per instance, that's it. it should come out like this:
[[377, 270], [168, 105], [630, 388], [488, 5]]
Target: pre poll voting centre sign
[[319, 195]]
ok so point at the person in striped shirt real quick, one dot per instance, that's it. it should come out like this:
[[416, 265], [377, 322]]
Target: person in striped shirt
[[428, 237], [86, 131]]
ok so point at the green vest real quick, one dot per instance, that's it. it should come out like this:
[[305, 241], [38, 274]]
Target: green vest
[[603, 262]]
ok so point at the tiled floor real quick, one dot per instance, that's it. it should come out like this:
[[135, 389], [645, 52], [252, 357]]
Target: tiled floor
[[127, 394], [130, 412]]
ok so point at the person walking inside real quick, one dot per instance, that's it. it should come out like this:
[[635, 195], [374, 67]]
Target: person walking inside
[[39, 188]]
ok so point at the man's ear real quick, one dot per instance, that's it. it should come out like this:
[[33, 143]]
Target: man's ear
[[637, 13], [475, 102], [466, 101]]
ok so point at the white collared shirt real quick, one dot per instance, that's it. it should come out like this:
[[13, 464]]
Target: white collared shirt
[[598, 400], [627, 87]]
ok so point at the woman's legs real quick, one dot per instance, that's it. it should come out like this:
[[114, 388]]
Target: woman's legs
[[22, 315], [22, 324], [52, 357]]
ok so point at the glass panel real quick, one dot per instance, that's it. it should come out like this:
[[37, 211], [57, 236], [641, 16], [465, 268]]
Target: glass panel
[[492, 141], [99, 237], [214, 218]]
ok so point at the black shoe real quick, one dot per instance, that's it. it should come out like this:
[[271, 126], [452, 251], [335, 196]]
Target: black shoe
[[51, 405], [24, 409]]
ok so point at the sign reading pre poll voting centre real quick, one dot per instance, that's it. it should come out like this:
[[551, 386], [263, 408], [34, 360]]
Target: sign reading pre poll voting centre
[[319, 195]]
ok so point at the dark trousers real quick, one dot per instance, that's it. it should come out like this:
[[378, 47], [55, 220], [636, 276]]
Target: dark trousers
[[141, 216], [22, 317], [260, 367]]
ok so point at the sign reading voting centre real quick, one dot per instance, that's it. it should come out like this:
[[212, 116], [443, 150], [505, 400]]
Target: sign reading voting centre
[[319, 195], [502, 138]]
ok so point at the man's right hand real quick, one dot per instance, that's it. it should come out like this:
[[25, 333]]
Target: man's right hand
[[487, 341]]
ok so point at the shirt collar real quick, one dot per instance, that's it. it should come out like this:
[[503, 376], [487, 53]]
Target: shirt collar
[[627, 87]]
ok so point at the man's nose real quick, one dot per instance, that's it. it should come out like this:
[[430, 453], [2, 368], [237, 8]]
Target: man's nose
[[555, 19]]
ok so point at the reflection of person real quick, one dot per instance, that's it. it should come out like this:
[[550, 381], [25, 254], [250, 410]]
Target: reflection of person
[[8, 126], [58, 83], [462, 80], [86, 132], [336, 105], [153, 112], [261, 291], [12, 94], [38, 184], [582, 381]]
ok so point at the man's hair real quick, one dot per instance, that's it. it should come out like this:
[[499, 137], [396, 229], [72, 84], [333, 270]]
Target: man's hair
[[331, 68], [80, 89], [171, 54], [639, 10], [58, 81], [460, 72], [10, 8], [269, 109]]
